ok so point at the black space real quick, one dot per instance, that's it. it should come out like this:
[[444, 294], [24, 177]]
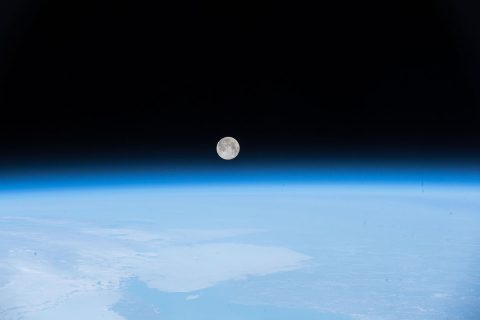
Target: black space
[[294, 79]]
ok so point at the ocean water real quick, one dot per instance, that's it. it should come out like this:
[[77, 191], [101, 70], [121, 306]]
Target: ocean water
[[217, 303]]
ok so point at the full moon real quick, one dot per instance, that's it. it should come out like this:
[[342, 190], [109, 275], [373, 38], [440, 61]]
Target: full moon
[[228, 148]]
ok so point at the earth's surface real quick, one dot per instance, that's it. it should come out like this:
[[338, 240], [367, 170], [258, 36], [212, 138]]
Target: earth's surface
[[237, 252]]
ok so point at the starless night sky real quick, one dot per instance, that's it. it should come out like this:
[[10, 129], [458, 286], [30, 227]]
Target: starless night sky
[[85, 80]]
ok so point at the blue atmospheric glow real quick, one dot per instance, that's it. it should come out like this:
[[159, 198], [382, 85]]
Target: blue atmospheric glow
[[300, 174], [323, 244]]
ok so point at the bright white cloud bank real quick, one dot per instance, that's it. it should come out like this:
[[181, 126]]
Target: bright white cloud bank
[[50, 269]]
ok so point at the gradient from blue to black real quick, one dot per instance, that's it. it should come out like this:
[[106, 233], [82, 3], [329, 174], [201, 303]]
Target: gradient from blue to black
[[89, 80]]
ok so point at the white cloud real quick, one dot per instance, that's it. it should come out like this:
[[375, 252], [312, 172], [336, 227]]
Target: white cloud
[[192, 297], [192, 268], [78, 269]]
